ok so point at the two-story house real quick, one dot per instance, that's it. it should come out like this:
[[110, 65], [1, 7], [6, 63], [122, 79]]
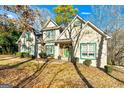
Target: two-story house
[[80, 36]]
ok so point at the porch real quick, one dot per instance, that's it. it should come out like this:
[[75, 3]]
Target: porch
[[64, 50]]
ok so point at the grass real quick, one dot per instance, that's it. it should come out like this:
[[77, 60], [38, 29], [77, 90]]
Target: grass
[[42, 75]]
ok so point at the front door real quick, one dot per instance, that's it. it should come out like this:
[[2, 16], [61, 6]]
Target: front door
[[66, 52]]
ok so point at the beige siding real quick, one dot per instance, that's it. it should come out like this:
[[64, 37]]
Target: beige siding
[[52, 41], [28, 43], [72, 29], [87, 35]]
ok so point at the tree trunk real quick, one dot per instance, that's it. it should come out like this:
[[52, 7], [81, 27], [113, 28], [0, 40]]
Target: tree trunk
[[72, 55]]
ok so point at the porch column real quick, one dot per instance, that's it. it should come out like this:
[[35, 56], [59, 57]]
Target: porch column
[[57, 51]]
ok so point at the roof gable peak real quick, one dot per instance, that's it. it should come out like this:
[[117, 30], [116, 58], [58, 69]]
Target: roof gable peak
[[50, 20]]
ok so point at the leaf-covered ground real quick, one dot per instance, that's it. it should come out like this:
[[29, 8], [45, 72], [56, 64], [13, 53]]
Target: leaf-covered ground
[[23, 72]]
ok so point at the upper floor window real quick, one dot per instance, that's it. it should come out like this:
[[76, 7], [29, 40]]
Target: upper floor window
[[28, 36], [50, 34], [77, 23]]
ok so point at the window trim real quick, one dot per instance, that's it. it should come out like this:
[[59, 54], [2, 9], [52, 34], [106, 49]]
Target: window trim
[[81, 57], [51, 34], [53, 49]]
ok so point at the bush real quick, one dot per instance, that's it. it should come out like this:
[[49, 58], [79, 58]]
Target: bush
[[52, 56], [76, 59], [87, 62], [32, 56], [42, 55], [108, 69], [22, 54], [18, 54]]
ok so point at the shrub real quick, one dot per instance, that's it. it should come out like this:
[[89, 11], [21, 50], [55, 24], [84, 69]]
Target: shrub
[[22, 54], [87, 62], [42, 55], [32, 56], [108, 69], [76, 59], [52, 56], [18, 54]]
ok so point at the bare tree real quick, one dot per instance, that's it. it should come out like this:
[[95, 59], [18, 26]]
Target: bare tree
[[110, 19]]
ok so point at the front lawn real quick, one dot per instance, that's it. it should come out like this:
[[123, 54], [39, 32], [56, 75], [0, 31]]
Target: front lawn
[[23, 72]]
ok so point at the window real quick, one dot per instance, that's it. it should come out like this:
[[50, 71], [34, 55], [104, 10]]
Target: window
[[88, 50], [27, 34], [77, 23], [28, 38], [50, 34], [32, 49], [50, 49], [24, 47]]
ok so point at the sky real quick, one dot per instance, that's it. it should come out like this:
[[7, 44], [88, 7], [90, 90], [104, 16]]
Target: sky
[[83, 10]]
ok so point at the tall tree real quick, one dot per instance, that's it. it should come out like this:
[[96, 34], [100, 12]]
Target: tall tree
[[8, 35], [27, 18], [107, 17], [64, 14], [110, 20]]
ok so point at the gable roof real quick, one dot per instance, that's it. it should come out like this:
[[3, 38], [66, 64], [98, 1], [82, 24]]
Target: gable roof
[[23, 34], [20, 37], [98, 30], [86, 23], [76, 17], [45, 28], [50, 20]]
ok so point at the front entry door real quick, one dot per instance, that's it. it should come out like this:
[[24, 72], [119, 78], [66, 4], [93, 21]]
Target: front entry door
[[66, 52]]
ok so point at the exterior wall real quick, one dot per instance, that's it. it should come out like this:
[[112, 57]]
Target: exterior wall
[[73, 28], [39, 50], [87, 35], [52, 40], [104, 54], [56, 49], [94, 61], [51, 24], [28, 43], [46, 39], [57, 32]]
